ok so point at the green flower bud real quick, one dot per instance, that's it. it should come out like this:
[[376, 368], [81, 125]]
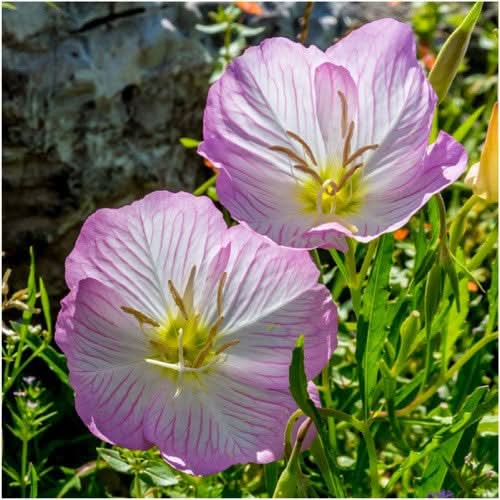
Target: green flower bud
[[408, 332], [452, 53]]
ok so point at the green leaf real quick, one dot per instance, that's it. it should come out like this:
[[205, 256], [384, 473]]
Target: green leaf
[[44, 299], [189, 142], [373, 321], [452, 53], [31, 293], [247, 31], [466, 126], [493, 298], [114, 460], [461, 421], [488, 425], [212, 29], [160, 473], [340, 264], [8, 5], [33, 481], [437, 466]]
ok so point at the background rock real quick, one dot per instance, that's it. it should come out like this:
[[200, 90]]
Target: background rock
[[95, 99]]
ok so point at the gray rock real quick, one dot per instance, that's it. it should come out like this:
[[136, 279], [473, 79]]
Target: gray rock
[[96, 97]]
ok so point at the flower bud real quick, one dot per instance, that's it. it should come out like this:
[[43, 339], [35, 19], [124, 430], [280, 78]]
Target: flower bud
[[483, 176], [408, 332], [451, 54]]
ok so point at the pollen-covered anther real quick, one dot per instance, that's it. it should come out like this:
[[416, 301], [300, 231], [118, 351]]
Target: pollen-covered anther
[[140, 316]]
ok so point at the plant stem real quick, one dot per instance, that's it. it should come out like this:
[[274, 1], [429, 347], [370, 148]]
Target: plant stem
[[330, 422], [442, 219], [372, 460], [204, 187], [305, 22], [350, 261], [484, 250], [24, 465]]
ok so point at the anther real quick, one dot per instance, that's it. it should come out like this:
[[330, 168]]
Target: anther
[[304, 144], [343, 102], [177, 299], [348, 175], [359, 152], [188, 296], [139, 316], [227, 345], [347, 144], [209, 342], [291, 154], [309, 171]]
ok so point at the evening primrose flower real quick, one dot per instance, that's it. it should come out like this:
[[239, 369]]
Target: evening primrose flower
[[483, 176], [178, 332], [312, 147]]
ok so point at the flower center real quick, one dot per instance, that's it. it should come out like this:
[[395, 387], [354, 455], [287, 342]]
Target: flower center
[[183, 344], [333, 189]]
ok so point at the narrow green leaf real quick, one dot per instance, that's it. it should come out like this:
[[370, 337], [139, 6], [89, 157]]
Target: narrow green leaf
[[466, 126], [44, 299], [340, 264], [373, 321], [33, 481], [452, 53], [31, 293]]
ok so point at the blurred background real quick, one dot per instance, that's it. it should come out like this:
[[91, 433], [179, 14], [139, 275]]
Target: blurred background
[[96, 97]]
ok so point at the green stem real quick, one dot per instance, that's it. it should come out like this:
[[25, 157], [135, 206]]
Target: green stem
[[17, 371], [288, 431], [372, 460], [484, 250], [317, 261], [350, 261], [327, 471], [24, 465], [442, 219], [330, 422], [204, 187]]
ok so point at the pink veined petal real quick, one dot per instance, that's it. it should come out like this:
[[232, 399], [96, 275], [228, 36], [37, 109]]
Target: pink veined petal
[[136, 249], [388, 210], [271, 297], [262, 95], [105, 351], [220, 423], [396, 102], [330, 81]]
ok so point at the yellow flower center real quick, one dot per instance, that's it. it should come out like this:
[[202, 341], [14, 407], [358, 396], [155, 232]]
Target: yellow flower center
[[183, 345], [334, 189]]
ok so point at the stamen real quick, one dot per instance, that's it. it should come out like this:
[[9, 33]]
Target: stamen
[[227, 345], [306, 147], [177, 299], [359, 152], [188, 297], [291, 154], [139, 316], [343, 102], [348, 175], [309, 171], [209, 342], [220, 290], [347, 144]]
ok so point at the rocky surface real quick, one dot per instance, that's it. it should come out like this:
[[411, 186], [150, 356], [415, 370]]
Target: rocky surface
[[95, 99]]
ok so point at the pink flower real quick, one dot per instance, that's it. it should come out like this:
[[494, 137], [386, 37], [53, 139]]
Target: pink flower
[[312, 147], [178, 332]]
